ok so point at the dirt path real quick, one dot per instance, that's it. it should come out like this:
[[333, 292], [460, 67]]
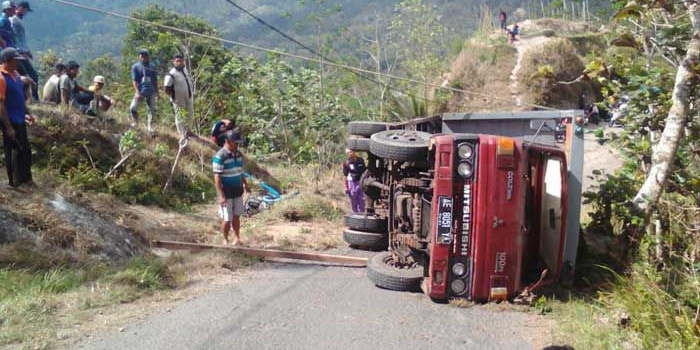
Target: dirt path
[[523, 45]]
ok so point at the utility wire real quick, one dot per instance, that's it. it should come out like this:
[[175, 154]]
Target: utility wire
[[282, 53], [307, 48]]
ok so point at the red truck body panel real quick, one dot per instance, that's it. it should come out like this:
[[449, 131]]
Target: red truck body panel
[[480, 220]]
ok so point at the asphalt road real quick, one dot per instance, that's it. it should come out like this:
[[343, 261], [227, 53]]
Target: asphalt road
[[301, 307]]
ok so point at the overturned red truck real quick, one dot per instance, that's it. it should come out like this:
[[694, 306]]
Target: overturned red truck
[[480, 206]]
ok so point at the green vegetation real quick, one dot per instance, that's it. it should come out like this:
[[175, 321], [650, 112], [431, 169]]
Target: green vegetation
[[651, 297], [36, 295]]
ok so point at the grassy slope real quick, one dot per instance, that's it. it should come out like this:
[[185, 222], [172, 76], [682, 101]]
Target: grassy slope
[[59, 276]]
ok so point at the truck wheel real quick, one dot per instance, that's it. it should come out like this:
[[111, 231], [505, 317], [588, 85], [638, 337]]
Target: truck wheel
[[365, 129], [400, 145], [366, 223], [366, 240], [358, 144], [382, 273]]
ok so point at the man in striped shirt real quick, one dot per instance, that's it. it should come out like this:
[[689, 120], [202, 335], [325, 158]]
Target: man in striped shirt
[[230, 184]]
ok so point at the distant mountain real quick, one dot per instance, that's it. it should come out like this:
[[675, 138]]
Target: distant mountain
[[80, 34]]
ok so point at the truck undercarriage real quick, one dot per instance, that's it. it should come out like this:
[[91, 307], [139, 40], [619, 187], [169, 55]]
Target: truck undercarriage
[[473, 206]]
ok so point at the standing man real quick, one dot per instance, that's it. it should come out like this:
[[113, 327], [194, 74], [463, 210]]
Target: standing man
[[20, 40], [6, 33], [13, 120], [230, 184], [179, 87], [144, 79]]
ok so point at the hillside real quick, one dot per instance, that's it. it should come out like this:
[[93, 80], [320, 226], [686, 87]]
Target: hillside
[[84, 35], [506, 76], [80, 240]]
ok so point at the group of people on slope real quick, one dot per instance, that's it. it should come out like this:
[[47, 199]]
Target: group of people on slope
[[227, 163], [177, 84], [63, 89], [13, 35]]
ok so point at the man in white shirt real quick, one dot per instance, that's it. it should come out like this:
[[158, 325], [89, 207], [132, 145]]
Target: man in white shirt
[[51, 93], [179, 87]]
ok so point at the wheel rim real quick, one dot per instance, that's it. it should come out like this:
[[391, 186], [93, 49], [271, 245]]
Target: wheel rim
[[407, 137], [389, 261]]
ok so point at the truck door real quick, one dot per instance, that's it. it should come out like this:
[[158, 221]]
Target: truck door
[[551, 216], [549, 201]]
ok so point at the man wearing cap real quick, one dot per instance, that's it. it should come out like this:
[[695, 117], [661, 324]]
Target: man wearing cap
[[6, 33], [230, 184], [178, 86], [20, 40], [145, 82], [99, 102], [13, 120]]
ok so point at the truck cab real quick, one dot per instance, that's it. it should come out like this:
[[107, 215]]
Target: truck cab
[[482, 206]]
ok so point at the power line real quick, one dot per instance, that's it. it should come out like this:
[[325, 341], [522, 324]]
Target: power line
[[282, 53], [307, 48]]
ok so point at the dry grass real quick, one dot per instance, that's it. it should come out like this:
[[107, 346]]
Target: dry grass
[[563, 65], [483, 66]]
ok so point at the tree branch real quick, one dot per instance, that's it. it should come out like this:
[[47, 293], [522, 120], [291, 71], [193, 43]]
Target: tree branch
[[664, 153]]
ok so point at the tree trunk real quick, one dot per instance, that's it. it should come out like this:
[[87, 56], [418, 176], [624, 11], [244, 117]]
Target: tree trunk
[[664, 153]]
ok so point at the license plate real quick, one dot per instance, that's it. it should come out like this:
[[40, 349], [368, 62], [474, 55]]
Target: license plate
[[444, 220]]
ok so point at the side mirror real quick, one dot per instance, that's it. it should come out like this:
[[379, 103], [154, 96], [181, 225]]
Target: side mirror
[[540, 124]]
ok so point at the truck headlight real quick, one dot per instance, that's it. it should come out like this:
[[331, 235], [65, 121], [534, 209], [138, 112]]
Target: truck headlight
[[465, 151], [465, 169], [458, 269], [458, 286]]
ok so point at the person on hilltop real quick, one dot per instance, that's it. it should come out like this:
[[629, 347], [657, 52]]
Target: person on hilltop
[[178, 86], [503, 19], [20, 40], [353, 167], [144, 79], [7, 36], [14, 117], [51, 92], [230, 185]]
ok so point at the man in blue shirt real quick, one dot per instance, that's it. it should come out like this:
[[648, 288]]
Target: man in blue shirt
[[230, 184], [144, 79], [6, 33], [13, 120]]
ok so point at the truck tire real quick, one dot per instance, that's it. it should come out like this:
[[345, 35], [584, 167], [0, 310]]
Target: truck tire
[[358, 144], [400, 145], [386, 276], [366, 223], [374, 241], [365, 129]]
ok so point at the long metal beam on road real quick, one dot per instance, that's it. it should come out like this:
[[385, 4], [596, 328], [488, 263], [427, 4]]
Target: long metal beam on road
[[350, 261]]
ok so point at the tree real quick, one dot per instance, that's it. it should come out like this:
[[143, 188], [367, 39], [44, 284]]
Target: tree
[[684, 91], [419, 38]]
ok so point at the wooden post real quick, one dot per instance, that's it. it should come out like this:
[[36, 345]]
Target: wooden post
[[351, 261]]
